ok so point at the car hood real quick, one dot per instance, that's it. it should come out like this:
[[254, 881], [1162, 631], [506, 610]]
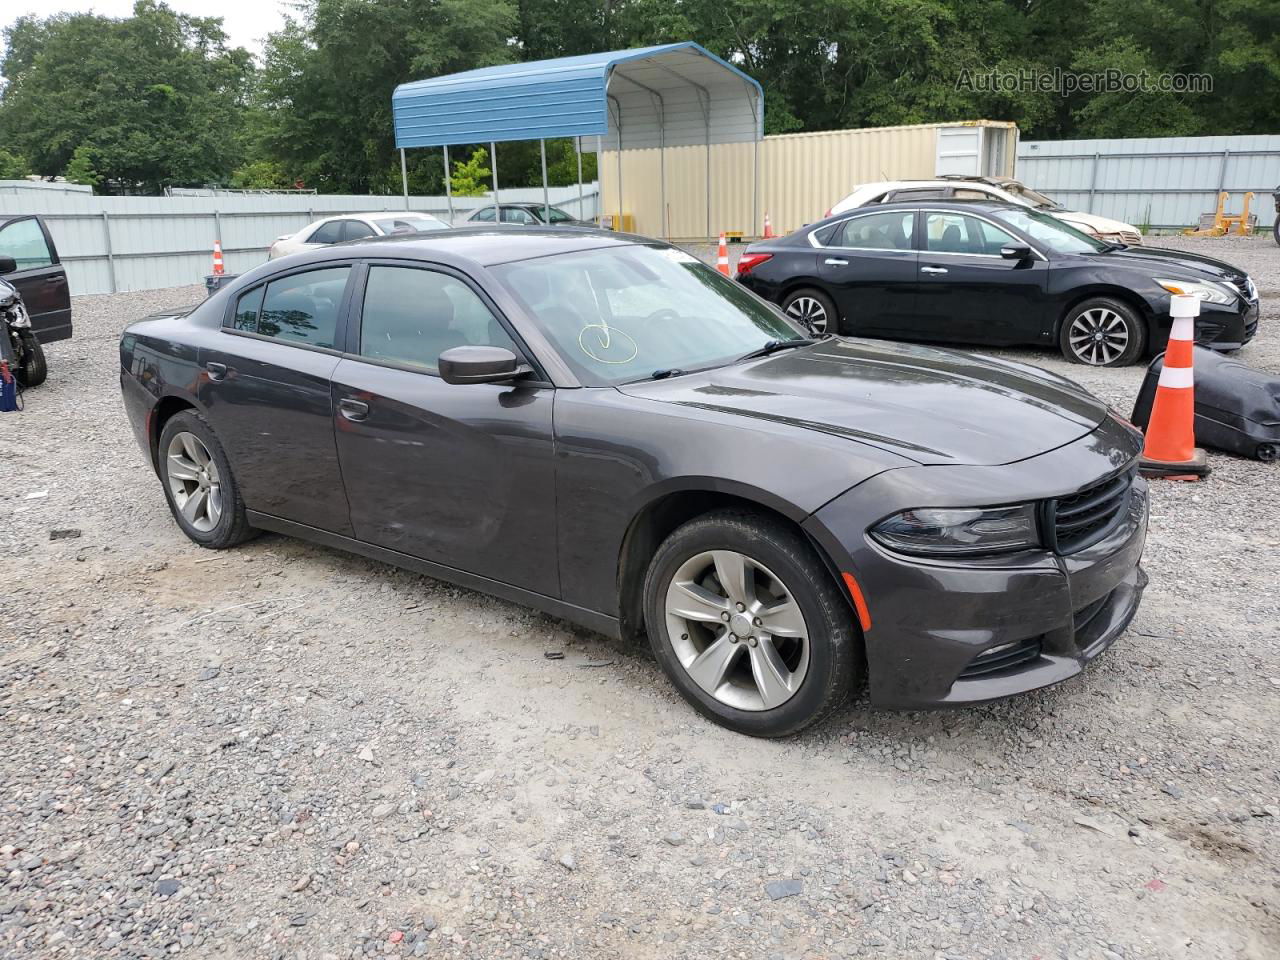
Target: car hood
[[928, 405], [1160, 261], [1096, 223]]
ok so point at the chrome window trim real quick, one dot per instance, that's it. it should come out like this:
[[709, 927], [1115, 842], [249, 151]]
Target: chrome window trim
[[813, 238], [976, 216], [862, 212]]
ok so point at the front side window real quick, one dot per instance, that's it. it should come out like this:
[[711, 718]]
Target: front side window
[[330, 232], [958, 233], [411, 316], [301, 308], [623, 313], [24, 241], [878, 231], [356, 230], [920, 193]]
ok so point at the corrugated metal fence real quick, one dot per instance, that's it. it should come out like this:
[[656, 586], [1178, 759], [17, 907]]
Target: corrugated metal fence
[[1162, 182], [113, 244]]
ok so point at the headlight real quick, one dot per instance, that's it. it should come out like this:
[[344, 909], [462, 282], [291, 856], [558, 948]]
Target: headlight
[[1209, 292], [20, 319], [950, 532]]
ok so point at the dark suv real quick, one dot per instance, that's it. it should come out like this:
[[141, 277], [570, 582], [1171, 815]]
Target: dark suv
[[39, 277]]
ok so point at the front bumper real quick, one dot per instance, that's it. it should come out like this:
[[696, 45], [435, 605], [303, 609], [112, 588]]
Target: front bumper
[[1224, 328], [952, 633]]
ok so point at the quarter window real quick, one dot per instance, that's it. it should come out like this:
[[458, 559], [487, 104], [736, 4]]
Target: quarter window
[[878, 231], [301, 308], [24, 241], [958, 233], [411, 316]]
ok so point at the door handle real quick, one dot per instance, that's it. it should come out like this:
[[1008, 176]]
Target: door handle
[[933, 269], [836, 262], [217, 371], [55, 279], [353, 409]]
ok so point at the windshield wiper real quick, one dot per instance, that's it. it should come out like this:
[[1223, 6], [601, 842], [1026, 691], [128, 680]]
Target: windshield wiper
[[663, 374], [773, 346]]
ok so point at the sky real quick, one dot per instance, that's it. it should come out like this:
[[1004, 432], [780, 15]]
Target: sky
[[246, 22]]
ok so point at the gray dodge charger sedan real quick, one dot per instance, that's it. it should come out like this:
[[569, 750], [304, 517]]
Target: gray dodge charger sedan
[[604, 428]]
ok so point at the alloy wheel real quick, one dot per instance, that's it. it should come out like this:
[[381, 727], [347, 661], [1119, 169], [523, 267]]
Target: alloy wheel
[[193, 480], [811, 313], [737, 630], [1098, 336]]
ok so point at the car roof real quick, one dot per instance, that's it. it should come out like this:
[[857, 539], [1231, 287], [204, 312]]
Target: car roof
[[479, 246]]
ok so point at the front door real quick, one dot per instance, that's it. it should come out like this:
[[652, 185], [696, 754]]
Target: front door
[[265, 387], [460, 475], [968, 293], [868, 264], [40, 279]]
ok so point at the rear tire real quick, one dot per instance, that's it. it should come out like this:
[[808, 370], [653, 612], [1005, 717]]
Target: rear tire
[[785, 658], [199, 485], [813, 310], [34, 370], [1103, 332]]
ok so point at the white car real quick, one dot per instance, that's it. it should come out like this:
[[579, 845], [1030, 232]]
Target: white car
[[354, 226], [988, 188]]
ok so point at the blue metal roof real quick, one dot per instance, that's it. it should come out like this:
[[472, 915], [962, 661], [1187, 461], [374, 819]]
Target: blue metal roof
[[570, 97]]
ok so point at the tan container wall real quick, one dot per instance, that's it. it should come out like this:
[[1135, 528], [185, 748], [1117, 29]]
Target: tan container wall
[[801, 176]]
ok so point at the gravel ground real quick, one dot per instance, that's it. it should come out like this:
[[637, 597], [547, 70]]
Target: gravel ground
[[285, 751]]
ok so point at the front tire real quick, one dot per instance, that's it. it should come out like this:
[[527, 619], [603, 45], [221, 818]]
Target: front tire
[[199, 485], [1103, 332], [813, 310], [749, 625], [34, 370]]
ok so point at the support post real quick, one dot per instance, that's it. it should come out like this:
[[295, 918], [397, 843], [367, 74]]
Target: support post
[[546, 196], [1093, 179], [404, 179], [448, 183], [111, 260], [493, 163], [599, 180], [582, 204], [755, 187]]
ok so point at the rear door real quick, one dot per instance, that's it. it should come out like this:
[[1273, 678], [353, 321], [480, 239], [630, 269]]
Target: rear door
[[968, 293], [458, 474], [40, 277], [266, 390], [868, 264]]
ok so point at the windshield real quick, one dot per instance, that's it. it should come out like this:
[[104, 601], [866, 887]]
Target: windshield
[[624, 313], [557, 215], [412, 225], [1049, 231], [1037, 200]]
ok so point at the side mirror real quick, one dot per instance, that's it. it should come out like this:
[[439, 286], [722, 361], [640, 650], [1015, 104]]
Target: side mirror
[[478, 364], [8, 265], [1015, 251]]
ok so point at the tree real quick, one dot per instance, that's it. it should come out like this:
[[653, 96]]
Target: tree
[[155, 93], [13, 167], [80, 169], [468, 177]]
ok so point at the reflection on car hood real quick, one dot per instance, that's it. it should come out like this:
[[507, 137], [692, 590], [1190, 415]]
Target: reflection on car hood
[[1158, 260], [932, 406]]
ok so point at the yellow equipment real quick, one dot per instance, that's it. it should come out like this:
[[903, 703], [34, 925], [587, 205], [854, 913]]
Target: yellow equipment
[[1220, 223]]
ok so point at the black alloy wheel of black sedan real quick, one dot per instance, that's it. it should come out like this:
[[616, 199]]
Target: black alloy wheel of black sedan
[[986, 272], [604, 428]]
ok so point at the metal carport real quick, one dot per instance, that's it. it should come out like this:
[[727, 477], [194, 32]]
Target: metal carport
[[676, 94]]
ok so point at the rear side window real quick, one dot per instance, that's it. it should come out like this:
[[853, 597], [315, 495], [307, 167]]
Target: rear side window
[[878, 231], [24, 241], [302, 308], [330, 232], [484, 216]]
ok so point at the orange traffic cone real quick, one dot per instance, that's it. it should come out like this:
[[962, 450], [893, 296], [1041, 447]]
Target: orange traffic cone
[[1170, 449], [768, 227], [722, 257], [218, 269]]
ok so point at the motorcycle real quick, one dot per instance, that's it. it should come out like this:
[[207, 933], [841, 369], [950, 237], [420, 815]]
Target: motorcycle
[[19, 347]]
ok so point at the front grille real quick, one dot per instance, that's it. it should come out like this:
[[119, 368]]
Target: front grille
[[1251, 328], [1009, 656], [1084, 518]]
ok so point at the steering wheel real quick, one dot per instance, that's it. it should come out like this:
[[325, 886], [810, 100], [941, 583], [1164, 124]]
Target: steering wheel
[[664, 313]]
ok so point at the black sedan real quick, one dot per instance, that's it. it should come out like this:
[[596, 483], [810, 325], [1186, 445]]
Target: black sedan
[[602, 427], [986, 272]]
